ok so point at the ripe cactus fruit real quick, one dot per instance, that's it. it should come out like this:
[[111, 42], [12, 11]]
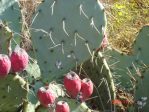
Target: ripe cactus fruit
[[46, 96], [104, 42], [72, 84], [5, 65], [62, 106], [19, 59], [86, 89]]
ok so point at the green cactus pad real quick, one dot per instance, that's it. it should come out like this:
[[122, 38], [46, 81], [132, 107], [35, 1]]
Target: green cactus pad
[[12, 16], [5, 38], [142, 59], [119, 63], [32, 94], [32, 72], [104, 90], [65, 34], [133, 70], [13, 91], [4, 4]]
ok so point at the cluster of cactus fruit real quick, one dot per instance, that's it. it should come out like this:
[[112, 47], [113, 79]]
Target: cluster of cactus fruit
[[76, 89], [65, 41], [17, 62]]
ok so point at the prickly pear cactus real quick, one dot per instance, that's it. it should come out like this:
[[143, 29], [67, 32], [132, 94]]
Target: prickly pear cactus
[[142, 68], [5, 38], [119, 63], [32, 72], [98, 71], [133, 70], [13, 93], [58, 90], [11, 17], [66, 33], [73, 105]]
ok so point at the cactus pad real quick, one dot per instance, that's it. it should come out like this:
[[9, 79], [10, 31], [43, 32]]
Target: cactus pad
[[5, 38], [119, 63], [65, 33], [4, 4], [12, 16], [98, 71], [133, 70], [13, 92], [32, 72], [142, 59]]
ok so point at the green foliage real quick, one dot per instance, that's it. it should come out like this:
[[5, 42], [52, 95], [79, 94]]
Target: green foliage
[[64, 38]]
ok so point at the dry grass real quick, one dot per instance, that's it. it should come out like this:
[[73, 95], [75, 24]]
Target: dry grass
[[27, 9], [125, 18]]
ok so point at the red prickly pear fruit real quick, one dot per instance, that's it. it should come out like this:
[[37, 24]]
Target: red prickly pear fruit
[[72, 84], [104, 42], [5, 65], [19, 59], [62, 106], [86, 89], [46, 96]]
